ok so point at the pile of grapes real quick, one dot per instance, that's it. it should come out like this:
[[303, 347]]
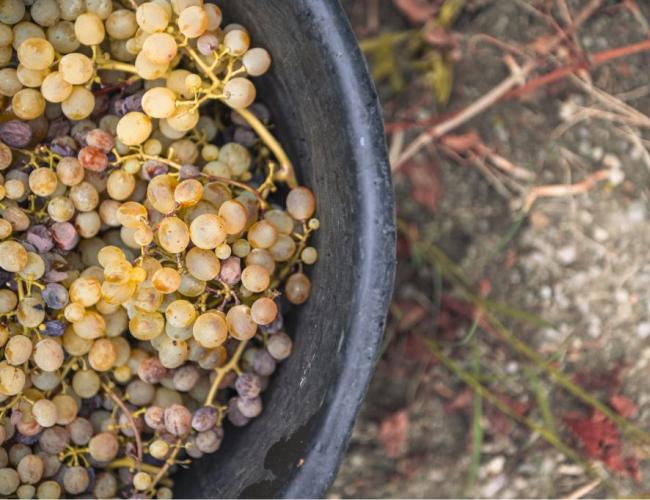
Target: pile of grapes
[[151, 233]]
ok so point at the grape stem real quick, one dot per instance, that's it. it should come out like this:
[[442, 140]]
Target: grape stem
[[129, 416], [287, 173], [168, 463], [223, 370], [264, 205]]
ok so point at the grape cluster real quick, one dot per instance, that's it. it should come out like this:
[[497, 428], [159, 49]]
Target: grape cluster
[[152, 234]]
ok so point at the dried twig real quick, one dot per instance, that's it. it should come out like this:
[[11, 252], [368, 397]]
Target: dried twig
[[583, 490], [558, 190], [487, 100], [129, 416]]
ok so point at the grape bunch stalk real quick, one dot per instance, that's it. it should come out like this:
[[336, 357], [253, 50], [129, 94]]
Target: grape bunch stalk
[[152, 237]]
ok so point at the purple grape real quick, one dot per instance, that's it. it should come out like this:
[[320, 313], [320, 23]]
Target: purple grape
[[235, 416], [230, 271], [54, 328], [16, 133], [189, 172], [60, 126], [274, 326], [245, 136], [55, 296], [64, 145], [204, 418], [248, 385], [40, 238], [129, 103], [65, 235], [263, 362], [250, 408]]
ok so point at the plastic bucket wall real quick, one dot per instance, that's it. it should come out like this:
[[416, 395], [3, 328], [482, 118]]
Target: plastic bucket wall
[[327, 116]]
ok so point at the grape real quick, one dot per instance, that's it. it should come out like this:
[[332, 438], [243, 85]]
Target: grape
[[209, 441], [106, 485], [263, 363], [185, 378], [28, 104], [204, 418], [54, 88], [193, 21], [121, 24], [159, 102], [234, 216], [248, 385], [134, 128], [142, 481], [86, 383], [102, 8], [257, 61], [166, 280], [151, 17], [26, 491], [231, 270], [48, 489], [9, 479], [235, 416], [214, 16], [159, 449], [103, 447], [75, 480], [30, 469], [202, 264], [54, 440], [297, 288], [256, 278], [30, 77], [264, 310], [102, 355], [240, 323], [44, 412], [62, 37], [210, 330], [45, 12], [184, 119], [237, 42], [151, 370], [76, 68], [301, 203], [173, 353], [160, 48], [177, 420], [80, 103], [12, 380], [208, 231], [140, 393], [18, 350], [36, 53], [154, 418], [66, 409], [309, 255], [89, 29], [239, 93], [174, 235]]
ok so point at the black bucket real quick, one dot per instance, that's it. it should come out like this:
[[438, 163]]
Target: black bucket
[[327, 116]]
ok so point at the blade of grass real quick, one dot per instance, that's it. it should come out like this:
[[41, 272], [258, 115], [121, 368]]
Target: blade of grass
[[541, 399], [548, 435], [477, 430], [470, 334], [455, 276]]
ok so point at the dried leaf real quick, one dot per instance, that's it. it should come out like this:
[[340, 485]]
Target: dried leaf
[[601, 440], [461, 143], [426, 183], [623, 406], [412, 314], [418, 11], [393, 433]]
